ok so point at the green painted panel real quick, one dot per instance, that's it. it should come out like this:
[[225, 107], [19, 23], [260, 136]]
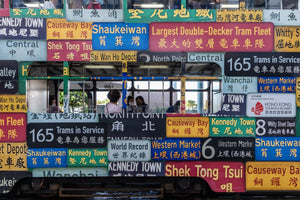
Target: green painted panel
[[37, 13], [87, 157]]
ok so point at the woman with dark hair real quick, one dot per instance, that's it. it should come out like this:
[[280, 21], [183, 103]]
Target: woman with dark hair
[[130, 104], [141, 106], [112, 106]]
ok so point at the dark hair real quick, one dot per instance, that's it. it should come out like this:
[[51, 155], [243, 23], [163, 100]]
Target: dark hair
[[129, 98], [140, 98], [114, 95]]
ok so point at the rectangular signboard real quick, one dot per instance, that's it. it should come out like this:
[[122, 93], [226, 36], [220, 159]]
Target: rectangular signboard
[[9, 178], [8, 77], [232, 127], [60, 29], [13, 127], [71, 135], [20, 50], [148, 56], [285, 127], [134, 125], [70, 172], [13, 104], [113, 56], [271, 105], [120, 36], [136, 169], [277, 148], [176, 149], [13, 157], [68, 50], [220, 176], [48, 157], [233, 105], [211, 37], [286, 38], [276, 84], [228, 149], [187, 127], [129, 150], [22, 28], [265, 65], [87, 157], [275, 176], [62, 117], [281, 17], [239, 84], [240, 15]]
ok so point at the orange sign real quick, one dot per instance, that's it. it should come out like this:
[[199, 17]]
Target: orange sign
[[188, 127], [13, 156], [13, 103], [286, 39]]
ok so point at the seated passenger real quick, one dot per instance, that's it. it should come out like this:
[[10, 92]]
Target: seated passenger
[[112, 106], [174, 108], [141, 106], [130, 104]]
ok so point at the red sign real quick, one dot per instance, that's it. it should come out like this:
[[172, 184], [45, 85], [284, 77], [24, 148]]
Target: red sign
[[221, 176], [13, 127], [211, 37], [68, 50]]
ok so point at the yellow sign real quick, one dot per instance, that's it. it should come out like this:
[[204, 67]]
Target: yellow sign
[[60, 29], [188, 127], [13, 103], [239, 15], [113, 56], [298, 91], [272, 176], [13, 156], [286, 38]]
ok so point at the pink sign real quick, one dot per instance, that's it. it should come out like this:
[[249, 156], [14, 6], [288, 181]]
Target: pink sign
[[13, 127], [221, 176], [68, 50], [211, 37]]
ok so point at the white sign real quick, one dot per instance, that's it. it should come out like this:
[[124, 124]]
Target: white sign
[[70, 172], [271, 105], [239, 84], [128, 150]]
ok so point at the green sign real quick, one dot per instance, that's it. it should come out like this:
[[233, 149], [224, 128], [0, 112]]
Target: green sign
[[232, 127], [87, 157]]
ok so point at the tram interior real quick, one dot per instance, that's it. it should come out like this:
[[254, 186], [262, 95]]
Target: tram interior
[[86, 95]]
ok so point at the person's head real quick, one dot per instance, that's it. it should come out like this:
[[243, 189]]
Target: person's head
[[114, 95], [130, 100], [139, 100], [177, 106]]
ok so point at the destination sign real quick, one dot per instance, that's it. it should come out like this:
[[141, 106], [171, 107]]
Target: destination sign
[[13, 104], [274, 176], [276, 84], [271, 105], [238, 85], [228, 149], [62, 117], [136, 169], [79, 135], [176, 149], [211, 37], [60, 29], [284, 35], [9, 178], [220, 176], [187, 127], [240, 15], [129, 150], [268, 64], [233, 105], [26, 12], [48, 157], [8, 77], [134, 125], [113, 56], [70, 172], [22, 28], [68, 50], [281, 17], [87, 157], [13, 157], [13, 127], [269, 127], [298, 91], [277, 148], [233, 127], [148, 56], [120, 36]]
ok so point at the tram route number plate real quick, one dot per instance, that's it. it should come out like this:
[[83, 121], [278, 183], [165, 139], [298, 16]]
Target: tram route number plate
[[79, 135]]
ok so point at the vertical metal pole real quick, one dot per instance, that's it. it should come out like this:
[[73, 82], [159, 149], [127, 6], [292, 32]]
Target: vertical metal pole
[[124, 84], [66, 87]]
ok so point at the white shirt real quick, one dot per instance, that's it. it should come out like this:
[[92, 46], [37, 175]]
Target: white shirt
[[49, 5], [112, 108]]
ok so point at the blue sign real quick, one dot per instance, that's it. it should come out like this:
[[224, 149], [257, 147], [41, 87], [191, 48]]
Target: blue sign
[[120, 36], [22, 28], [277, 149], [176, 149], [276, 84], [52, 157]]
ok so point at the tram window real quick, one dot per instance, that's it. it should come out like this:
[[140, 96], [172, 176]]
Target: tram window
[[203, 4], [1, 3], [94, 4], [36, 4], [153, 4], [202, 69], [154, 70]]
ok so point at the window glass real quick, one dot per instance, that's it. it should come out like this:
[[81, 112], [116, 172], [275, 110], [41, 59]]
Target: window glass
[[37, 4], [153, 4]]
